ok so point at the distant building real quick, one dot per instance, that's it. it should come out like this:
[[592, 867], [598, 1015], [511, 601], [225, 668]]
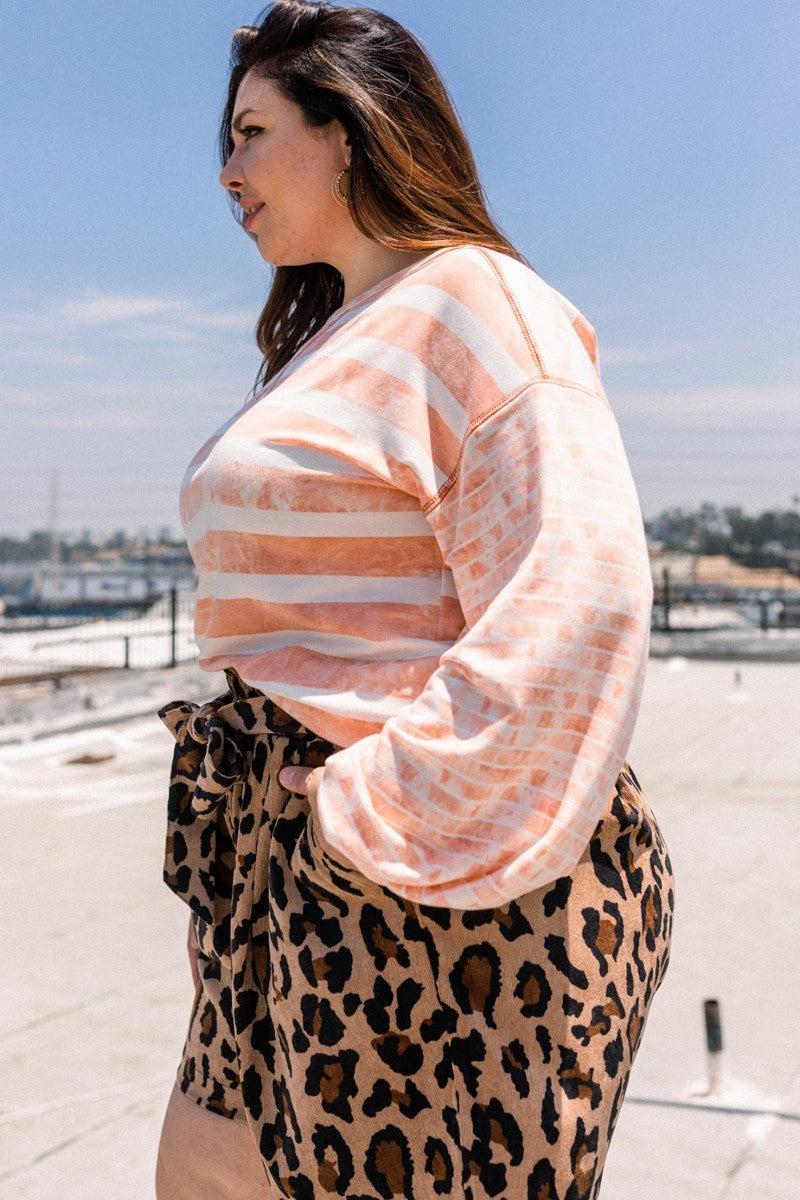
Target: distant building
[[96, 586], [714, 575]]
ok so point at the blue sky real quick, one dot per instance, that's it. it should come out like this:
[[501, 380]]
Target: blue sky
[[644, 156]]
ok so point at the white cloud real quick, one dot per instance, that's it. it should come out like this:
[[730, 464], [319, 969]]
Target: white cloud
[[159, 318], [105, 309]]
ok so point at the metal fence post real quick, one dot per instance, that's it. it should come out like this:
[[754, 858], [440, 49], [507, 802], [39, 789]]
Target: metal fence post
[[665, 575], [173, 596]]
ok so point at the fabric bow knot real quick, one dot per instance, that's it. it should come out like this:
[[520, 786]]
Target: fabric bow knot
[[214, 758]]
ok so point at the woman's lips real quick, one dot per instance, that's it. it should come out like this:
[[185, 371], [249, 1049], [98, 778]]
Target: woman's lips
[[248, 221]]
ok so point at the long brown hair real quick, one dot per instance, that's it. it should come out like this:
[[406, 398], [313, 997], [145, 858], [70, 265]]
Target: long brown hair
[[412, 184]]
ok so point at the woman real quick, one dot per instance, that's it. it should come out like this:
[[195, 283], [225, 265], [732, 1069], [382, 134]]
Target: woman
[[425, 955]]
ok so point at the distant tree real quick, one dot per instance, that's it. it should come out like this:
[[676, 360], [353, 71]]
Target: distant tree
[[762, 540]]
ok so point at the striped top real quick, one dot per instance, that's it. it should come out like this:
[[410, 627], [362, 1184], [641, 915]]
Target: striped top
[[422, 539]]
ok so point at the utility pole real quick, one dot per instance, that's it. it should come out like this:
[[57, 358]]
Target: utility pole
[[52, 518]]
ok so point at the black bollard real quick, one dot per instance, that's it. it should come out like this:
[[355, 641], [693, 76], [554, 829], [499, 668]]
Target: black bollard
[[713, 1019]]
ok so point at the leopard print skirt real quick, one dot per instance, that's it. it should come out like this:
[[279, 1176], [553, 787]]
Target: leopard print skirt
[[378, 1048]]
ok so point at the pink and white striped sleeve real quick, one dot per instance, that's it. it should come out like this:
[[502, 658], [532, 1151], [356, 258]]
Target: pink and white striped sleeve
[[491, 782]]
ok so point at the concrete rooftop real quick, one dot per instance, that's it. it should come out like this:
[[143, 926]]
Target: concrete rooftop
[[96, 990]]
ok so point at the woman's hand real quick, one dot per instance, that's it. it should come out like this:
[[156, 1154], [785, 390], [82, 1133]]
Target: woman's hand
[[305, 780], [192, 947]]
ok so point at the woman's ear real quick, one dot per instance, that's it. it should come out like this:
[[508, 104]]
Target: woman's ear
[[344, 142]]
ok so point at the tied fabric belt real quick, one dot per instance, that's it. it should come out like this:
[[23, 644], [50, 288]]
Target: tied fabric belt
[[223, 789]]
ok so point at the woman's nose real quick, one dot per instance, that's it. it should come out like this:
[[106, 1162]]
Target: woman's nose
[[229, 178]]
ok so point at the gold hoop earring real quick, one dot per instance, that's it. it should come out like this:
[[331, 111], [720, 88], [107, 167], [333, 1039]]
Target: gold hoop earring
[[336, 187]]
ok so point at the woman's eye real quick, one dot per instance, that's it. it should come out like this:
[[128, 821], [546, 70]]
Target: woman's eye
[[246, 129]]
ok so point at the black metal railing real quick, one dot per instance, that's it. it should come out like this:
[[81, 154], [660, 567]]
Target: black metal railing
[[762, 608], [158, 635]]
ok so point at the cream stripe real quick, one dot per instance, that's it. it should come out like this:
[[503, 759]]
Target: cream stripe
[[288, 523], [367, 429], [357, 706], [318, 589], [332, 645], [409, 369], [250, 452]]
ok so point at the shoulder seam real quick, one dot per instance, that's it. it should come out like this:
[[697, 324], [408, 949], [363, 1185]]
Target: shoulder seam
[[523, 387], [526, 333], [509, 295]]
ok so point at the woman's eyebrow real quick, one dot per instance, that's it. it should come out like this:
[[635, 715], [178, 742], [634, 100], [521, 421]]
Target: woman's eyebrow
[[237, 121]]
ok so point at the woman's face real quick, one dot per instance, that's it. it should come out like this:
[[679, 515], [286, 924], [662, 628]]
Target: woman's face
[[281, 163]]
